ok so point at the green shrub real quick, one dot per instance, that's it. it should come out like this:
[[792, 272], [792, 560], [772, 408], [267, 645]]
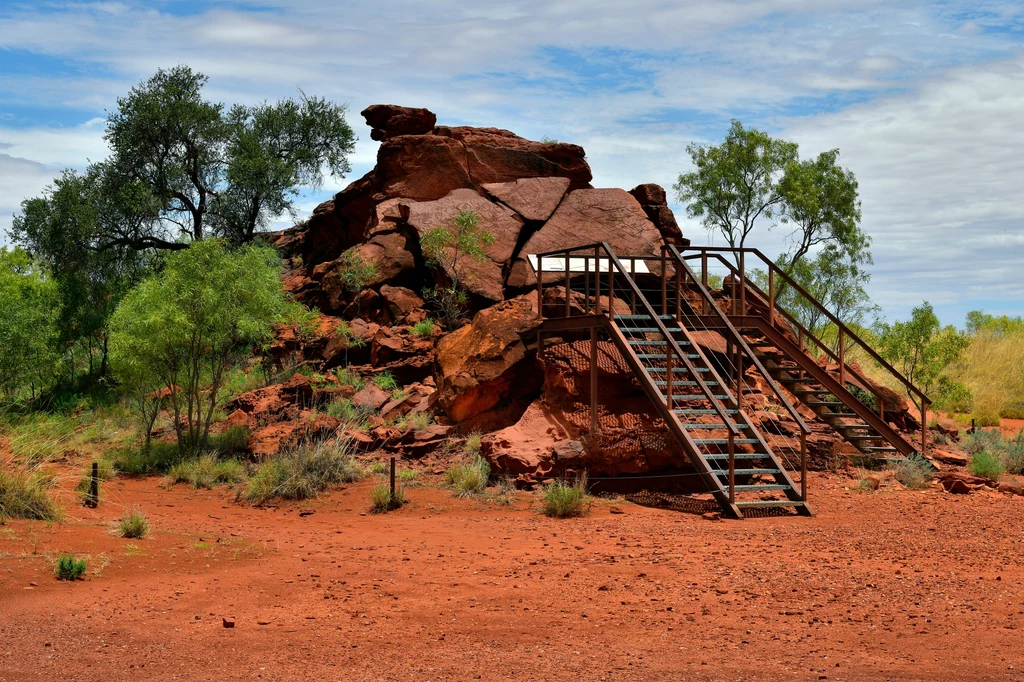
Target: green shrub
[[986, 464], [417, 421], [985, 416], [386, 381], [303, 472], [1013, 454], [981, 440], [424, 329], [134, 525], [381, 498], [69, 568], [563, 499], [235, 439], [24, 496], [939, 438], [468, 479], [953, 396], [472, 444], [914, 472], [206, 471], [349, 377], [160, 456]]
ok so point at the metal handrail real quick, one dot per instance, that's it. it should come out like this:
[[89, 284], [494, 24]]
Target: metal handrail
[[843, 328], [739, 339], [671, 342]]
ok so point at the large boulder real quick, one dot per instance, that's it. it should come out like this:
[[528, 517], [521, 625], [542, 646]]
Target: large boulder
[[391, 256], [389, 120], [484, 277], [587, 216], [421, 167], [496, 155], [533, 198], [483, 364]]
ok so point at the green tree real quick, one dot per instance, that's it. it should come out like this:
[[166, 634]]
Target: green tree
[[447, 249], [212, 171], [68, 228], [921, 348], [183, 328], [820, 198], [736, 183], [29, 331]]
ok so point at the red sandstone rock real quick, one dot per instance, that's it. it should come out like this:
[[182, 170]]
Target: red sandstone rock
[[532, 198], [422, 167], [389, 120], [484, 363], [371, 397], [483, 278], [400, 301]]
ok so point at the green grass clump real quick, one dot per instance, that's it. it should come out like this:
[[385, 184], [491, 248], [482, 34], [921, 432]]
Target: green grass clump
[[382, 501], [69, 568], [407, 475], [914, 472], [417, 421], [378, 467], [41, 437], [386, 381], [341, 409], [424, 329], [468, 479], [986, 416], [303, 472], [161, 456], [472, 444], [986, 464], [206, 471], [24, 495], [563, 499], [349, 377], [235, 440], [134, 525]]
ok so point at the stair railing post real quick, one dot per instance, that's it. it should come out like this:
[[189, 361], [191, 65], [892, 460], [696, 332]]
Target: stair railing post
[[668, 375], [632, 294], [679, 293], [568, 310], [611, 289], [597, 278], [842, 358], [739, 378], [704, 277], [732, 468], [593, 380], [664, 284], [586, 284], [924, 427], [771, 296], [743, 284], [803, 466], [540, 287]]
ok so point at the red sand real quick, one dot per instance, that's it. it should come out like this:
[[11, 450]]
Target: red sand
[[884, 585]]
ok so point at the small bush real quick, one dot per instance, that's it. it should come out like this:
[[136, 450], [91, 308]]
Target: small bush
[[341, 409], [985, 416], [940, 438], [69, 568], [472, 445], [206, 471], [563, 499], [25, 496], [134, 525], [424, 329], [235, 439], [407, 475], [378, 467], [349, 377], [161, 456], [468, 479], [386, 381], [417, 421], [986, 464], [914, 472], [303, 472], [1013, 454], [981, 440], [381, 498]]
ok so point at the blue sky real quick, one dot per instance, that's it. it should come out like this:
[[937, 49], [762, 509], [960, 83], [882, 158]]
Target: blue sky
[[925, 100]]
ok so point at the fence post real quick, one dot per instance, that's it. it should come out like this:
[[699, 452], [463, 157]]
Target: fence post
[[92, 499]]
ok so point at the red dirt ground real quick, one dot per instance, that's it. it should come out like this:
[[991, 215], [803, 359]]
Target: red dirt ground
[[879, 585]]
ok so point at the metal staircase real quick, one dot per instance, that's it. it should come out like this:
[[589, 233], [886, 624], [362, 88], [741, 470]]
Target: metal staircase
[[841, 397], [700, 398]]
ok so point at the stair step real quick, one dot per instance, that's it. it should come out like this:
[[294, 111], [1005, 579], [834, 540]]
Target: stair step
[[712, 427], [793, 380], [808, 391], [885, 448], [705, 411], [677, 369], [695, 396], [638, 342], [725, 441], [661, 356], [822, 403], [642, 317], [766, 486], [866, 436], [769, 503], [648, 330], [749, 472], [738, 456], [684, 383]]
